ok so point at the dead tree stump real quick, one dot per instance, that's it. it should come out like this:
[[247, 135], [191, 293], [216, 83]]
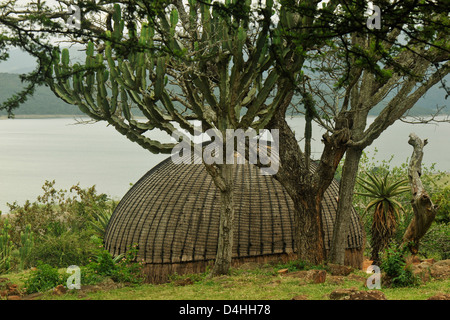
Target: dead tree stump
[[423, 208]]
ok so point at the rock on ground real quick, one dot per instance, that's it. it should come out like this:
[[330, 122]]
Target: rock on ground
[[428, 269], [355, 294], [440, 297], [316, 276], [338, 270]]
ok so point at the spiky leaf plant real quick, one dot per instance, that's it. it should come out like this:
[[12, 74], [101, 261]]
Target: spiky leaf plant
[[386, 209]]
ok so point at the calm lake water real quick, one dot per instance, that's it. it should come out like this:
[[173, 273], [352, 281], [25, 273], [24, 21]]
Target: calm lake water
[[35, 150]]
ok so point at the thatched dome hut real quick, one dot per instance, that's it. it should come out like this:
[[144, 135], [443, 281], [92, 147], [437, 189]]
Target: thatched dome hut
[[171, 213]]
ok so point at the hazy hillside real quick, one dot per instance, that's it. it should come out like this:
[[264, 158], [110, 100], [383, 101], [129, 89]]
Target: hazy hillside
[[428, 104], [44, 102]]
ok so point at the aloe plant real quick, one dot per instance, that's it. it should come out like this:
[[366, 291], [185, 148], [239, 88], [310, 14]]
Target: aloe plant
[[386, 209], [99, 221]]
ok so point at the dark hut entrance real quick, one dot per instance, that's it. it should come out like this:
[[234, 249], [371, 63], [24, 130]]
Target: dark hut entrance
[[171, 213]]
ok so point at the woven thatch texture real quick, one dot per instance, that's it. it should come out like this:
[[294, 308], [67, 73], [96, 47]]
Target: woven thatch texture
[[172, 214]]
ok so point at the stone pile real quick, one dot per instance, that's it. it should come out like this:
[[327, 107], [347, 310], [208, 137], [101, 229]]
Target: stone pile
[[9, 290]]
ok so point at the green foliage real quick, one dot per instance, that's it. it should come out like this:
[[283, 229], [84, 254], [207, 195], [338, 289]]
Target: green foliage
[[11, 255], [434, 182], [399, 274], [58, 211], [442, 200], [104, 264], [229, 70], [122, 268], [386, 214], [99, 221], [63, 250], [5, 247], [298, 265], [294, 265], [383, 190], [61, 229], [57, 228], [43, 278], [435, 243], [101, 265], [26, 247]]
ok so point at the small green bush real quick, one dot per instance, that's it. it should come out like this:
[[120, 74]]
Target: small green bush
[[56, 229], [43, 278], [104, 264], [63, 250], [89, 276], [397, 272], [57, 212], [122, 268]]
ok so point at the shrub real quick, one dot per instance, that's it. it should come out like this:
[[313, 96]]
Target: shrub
[[43, 278], [89, 276], [397, 272], [104, 264], [57, 228], [58, 211], [122, 268], [64, 250], [129, 270]]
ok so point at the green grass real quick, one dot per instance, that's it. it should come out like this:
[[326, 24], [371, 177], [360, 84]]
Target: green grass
[[255, 284]]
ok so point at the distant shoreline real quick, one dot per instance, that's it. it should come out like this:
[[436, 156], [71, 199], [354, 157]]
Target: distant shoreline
[[61, 116], [43, 116]]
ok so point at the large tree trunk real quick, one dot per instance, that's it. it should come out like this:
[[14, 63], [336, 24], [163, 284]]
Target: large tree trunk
[[309, 229], [345, 201], [224, 178], [305, 187], [424, 210]]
